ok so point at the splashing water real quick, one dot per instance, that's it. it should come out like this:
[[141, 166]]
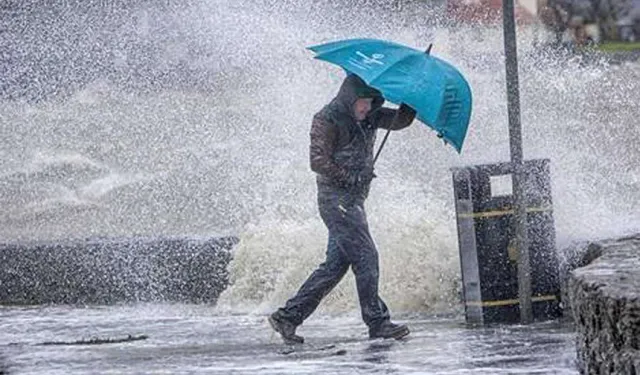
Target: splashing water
[[193, 119]]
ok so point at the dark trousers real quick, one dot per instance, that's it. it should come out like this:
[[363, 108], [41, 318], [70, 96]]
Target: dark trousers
[[350, 244]]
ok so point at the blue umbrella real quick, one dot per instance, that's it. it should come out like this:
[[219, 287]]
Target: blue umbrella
[[434, 88]]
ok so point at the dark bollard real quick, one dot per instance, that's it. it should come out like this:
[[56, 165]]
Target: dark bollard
[[488, 255], [107, 271]]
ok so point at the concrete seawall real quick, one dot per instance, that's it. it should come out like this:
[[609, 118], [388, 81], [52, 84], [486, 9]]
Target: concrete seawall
[[604, 297], [106, 271]]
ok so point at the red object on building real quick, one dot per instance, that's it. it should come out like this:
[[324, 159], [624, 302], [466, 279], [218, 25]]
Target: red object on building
[[484, 12]]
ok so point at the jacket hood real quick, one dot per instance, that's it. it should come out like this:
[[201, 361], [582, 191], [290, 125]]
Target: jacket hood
[[353, 88]]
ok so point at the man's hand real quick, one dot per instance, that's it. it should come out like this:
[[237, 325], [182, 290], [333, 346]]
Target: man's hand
[[361, 178], [366, 176]]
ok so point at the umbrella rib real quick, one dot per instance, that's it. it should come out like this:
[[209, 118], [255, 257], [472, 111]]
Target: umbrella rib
[[389, 67]]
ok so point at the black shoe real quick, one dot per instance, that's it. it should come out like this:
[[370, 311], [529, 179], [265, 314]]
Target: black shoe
[[388, 330], [285, 328]]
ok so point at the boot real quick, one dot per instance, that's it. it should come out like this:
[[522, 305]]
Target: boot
[[285, 328], [388, 330]]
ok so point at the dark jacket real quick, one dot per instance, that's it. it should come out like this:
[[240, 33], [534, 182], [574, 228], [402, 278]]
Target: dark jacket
[[340, 145]]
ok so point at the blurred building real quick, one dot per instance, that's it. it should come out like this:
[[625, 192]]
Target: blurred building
[[490, 11]]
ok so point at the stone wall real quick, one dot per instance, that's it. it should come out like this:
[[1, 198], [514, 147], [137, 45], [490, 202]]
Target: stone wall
[[106, 271], [605, 304]]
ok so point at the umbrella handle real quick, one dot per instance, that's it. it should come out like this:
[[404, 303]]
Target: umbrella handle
[[381, 146]]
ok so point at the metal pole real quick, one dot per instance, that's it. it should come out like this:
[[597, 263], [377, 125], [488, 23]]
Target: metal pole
[[515, 142]]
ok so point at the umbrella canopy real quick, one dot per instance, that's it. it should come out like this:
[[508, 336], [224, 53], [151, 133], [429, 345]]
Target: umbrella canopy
[[434, 88]]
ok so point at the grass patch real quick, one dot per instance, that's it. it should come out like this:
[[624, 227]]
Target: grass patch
[[619, 46]]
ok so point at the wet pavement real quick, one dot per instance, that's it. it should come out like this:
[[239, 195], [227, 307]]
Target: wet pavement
[[195, 339]]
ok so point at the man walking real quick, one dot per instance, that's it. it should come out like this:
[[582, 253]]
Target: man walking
[[342, 141]]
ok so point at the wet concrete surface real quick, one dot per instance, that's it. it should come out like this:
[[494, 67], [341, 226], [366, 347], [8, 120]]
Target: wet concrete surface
[[196, 339]]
